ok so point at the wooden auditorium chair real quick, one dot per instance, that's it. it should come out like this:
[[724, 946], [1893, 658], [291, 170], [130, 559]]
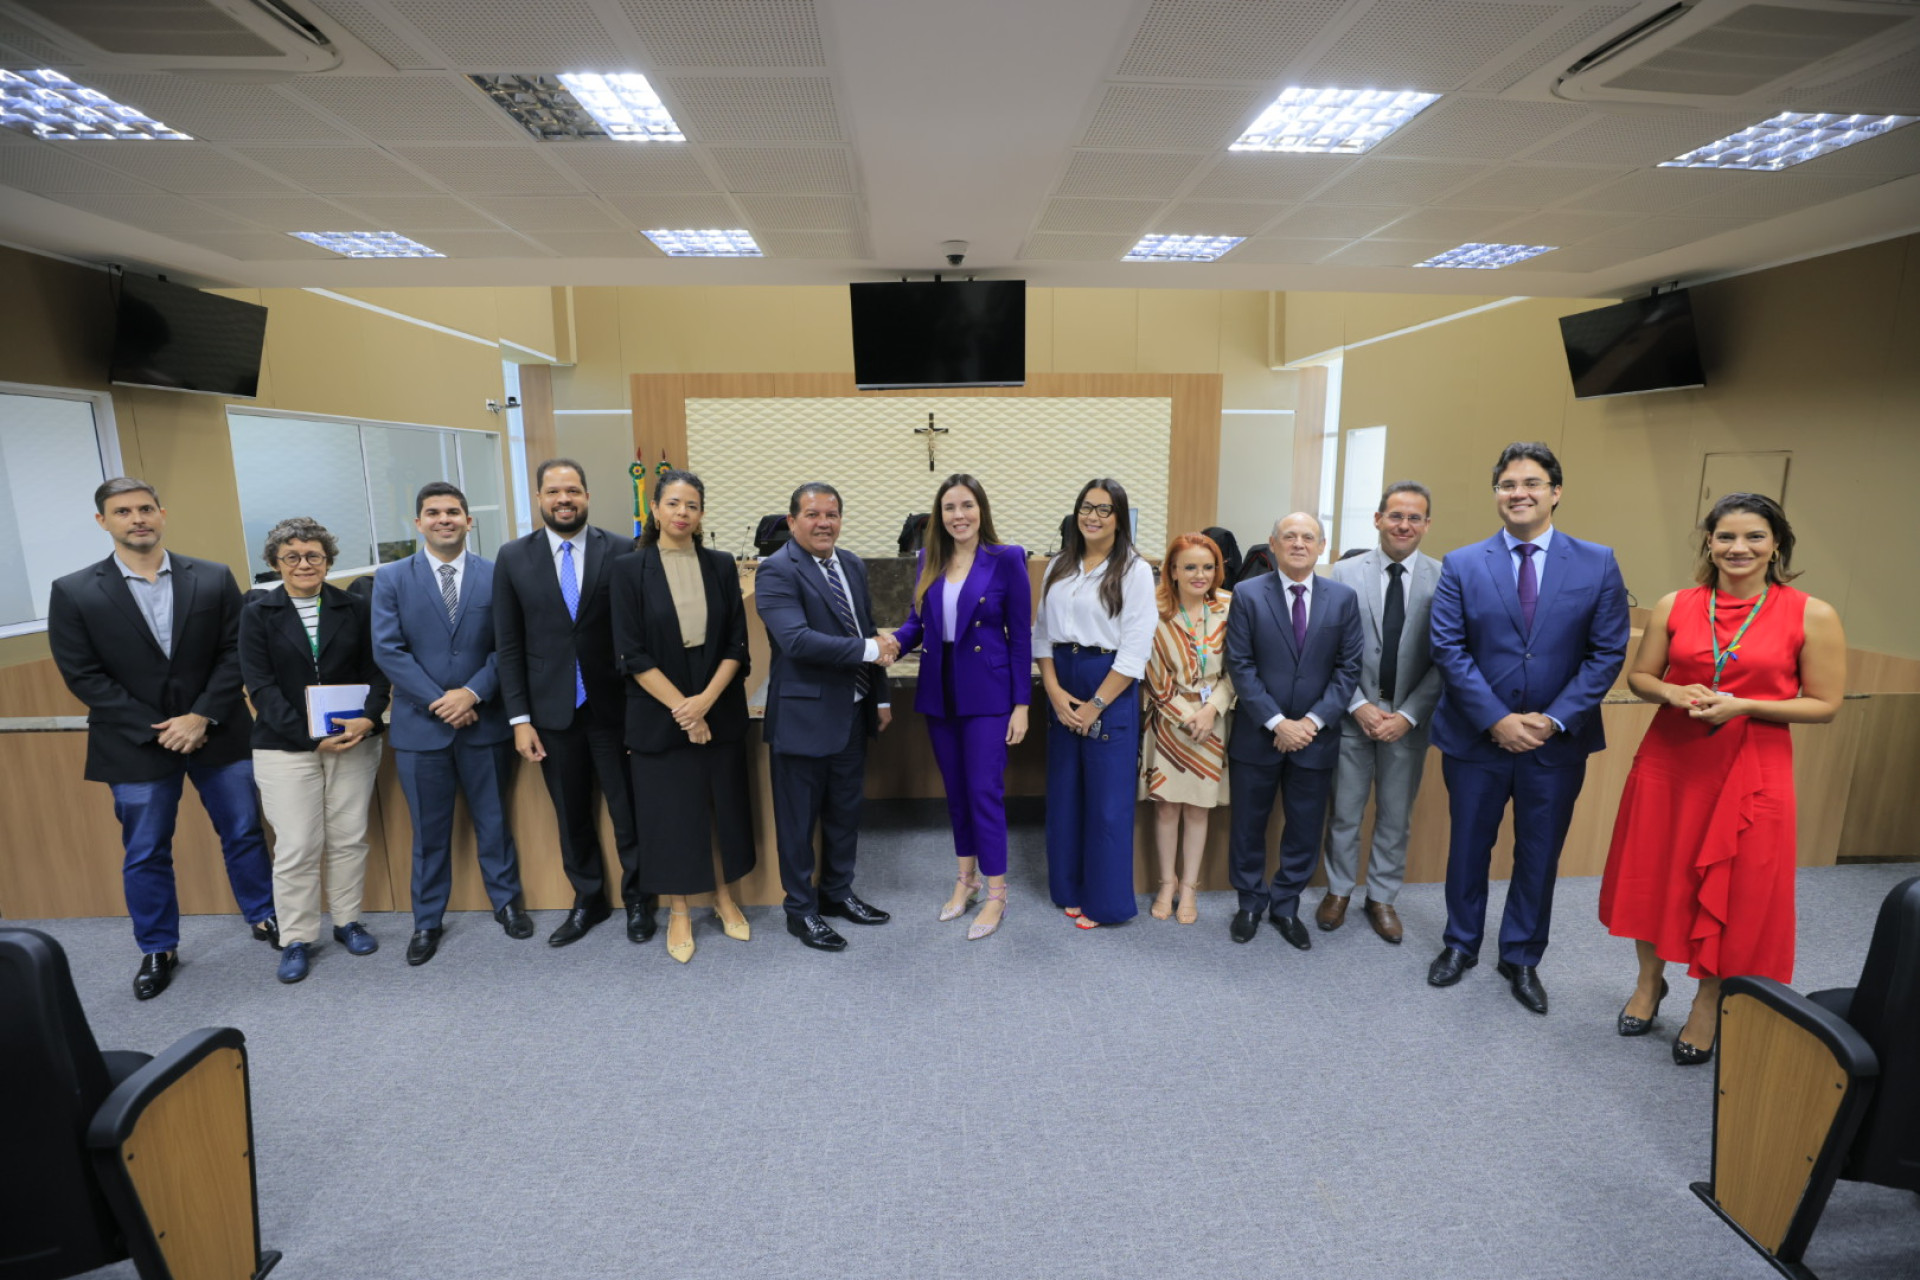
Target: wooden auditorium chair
[[1815, 1088], [119, 1154]]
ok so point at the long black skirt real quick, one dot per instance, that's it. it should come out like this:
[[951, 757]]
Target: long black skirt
[[685, 802]]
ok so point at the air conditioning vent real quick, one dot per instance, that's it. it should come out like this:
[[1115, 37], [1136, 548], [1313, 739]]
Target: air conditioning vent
[[238, 36]]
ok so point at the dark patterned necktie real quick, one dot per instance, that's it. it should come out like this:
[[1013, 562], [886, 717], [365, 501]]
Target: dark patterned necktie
[[449, 594], [1299, 590], [1393, 620], [1529, 583], [863, 679]]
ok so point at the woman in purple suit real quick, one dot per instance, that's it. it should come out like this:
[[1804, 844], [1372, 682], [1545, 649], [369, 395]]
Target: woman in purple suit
[[973, 606]]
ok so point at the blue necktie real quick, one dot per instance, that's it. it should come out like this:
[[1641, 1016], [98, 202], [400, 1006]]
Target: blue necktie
[[570, 592]]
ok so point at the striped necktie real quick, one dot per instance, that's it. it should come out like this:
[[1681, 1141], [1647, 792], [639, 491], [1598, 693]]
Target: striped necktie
[[863, 678], [449, 594]]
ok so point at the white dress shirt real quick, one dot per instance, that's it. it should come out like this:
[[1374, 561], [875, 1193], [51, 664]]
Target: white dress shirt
[[1306, 612], [1544, 542], [1071, 612], [1406, 596], [872, 651]]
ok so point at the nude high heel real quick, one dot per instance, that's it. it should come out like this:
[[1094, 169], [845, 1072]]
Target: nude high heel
[[972, 885], [1189, 913], [677, 919], [977, 930], [1163, 901], [734, 925]]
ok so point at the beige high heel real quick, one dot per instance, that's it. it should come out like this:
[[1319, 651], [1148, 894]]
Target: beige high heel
[[977, 930], [1163, 901], [972, 885], [1188, 913], [679, 918], [734, 926]]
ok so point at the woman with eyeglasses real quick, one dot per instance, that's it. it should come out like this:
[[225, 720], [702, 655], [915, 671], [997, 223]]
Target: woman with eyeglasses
[[315, 792], [1093, 634]]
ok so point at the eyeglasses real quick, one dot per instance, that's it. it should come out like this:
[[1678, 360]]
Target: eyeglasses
[[1101, 509], [294, 559], [1533, 484], [1400, 517]]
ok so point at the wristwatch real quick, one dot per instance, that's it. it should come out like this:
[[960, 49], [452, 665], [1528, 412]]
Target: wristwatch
[[1099, 703]]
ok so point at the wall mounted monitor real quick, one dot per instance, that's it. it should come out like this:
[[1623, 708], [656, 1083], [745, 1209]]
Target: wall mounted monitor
[[909, 334], [175, 338], [1644, 344]]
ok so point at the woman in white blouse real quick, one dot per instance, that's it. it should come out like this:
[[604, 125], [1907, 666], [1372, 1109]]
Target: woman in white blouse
[[1093, 634]]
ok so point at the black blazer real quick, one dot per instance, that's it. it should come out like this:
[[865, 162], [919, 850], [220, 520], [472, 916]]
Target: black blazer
[[277, 662], [536, 644], [646, 635], [108, 657]]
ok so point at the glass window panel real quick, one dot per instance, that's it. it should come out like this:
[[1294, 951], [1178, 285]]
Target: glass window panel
[[1360, 488], [288, 467], [399, 461], [480, 478], [49, 468]]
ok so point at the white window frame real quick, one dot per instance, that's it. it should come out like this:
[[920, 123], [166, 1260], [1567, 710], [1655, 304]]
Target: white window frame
[[106, 438]]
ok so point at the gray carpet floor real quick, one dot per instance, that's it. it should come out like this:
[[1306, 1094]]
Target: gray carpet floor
[[1149, 1100]]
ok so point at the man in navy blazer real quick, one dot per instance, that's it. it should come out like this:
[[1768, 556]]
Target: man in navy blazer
[[1293, 650], [826, 694], [1529, 630], [433, 636]]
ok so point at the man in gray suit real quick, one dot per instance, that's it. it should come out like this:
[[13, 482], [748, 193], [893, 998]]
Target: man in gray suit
[[1383, 736]]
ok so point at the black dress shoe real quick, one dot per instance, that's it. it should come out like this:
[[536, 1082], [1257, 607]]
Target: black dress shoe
[[640, 921], [422, 945], [1627, 1026], [514, 920], [816, 933], [575, 926], [1245, 925], [1684, 1054], [1525, 981], [852, 909], [268, 931], [1293, 931], [1448, 966], [156, 971]]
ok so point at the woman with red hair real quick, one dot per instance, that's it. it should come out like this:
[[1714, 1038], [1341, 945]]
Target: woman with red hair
[[1184, 764]]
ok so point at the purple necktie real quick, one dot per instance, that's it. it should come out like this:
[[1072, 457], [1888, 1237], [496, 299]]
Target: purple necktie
[[1299, 590], [1529, 584]]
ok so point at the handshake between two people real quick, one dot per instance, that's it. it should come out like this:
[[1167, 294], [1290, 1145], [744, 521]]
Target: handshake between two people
[[889, 649]]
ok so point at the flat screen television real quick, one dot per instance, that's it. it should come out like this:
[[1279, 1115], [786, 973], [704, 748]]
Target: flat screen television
[[962, 333], [1644, 344], [179, 339]]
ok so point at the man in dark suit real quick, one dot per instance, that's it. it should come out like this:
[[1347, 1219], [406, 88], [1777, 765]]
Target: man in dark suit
[[150, 641], [1293, 650], [433, 636], [825, 696], [553, 631], [1383, 736], [1529, 630]]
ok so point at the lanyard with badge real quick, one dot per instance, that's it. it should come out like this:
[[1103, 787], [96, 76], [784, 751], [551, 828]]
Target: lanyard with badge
[[1200, 647]]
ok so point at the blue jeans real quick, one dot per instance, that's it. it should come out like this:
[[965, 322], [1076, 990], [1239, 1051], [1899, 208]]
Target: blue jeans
[[146, 811]]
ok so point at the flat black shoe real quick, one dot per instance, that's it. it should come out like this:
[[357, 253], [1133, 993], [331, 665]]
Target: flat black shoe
[[1628, 1026], [514, 920], [578, 921], [1525, 981], [816, 933], [156, 971], [422, 945], [640, 921], [1245, 925], [852, 909], [268, 931], [1448, 966], [1685, 1055], [1293, 931]]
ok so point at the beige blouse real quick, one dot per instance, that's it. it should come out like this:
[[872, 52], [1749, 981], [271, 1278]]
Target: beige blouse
[[689, 593]]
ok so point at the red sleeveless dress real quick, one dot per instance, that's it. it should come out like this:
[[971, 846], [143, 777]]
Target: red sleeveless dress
[[1702, 861]]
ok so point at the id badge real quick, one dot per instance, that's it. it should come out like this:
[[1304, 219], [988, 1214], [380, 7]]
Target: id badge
[[1206, 692]]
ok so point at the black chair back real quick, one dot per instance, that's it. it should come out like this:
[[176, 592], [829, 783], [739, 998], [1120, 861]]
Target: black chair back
[[772, 533], [52, 1080], [1886, 1012]]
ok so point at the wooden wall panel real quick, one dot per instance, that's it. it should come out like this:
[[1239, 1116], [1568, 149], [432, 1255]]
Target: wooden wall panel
[[1882, 805]]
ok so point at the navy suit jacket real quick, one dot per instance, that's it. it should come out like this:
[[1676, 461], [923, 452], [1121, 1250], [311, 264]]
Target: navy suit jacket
[[810, 681], [1272, 677], [1491, 664], [424, 655], [992, 641]]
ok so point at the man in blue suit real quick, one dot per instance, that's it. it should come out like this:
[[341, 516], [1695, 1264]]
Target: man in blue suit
[[1293, 650], [433, 637], [1529, 631], [825, 696]]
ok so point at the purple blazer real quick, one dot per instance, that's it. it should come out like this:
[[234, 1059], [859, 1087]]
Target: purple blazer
[[992, 643]]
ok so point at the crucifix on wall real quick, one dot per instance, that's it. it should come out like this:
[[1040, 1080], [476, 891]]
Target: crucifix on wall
[[932, 433]]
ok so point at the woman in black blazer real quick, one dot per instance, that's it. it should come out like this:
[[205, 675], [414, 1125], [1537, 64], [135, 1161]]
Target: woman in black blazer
[[315, 793], [680, 630]]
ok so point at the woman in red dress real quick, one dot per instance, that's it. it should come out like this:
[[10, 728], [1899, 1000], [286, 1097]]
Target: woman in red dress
[[1701, 870]]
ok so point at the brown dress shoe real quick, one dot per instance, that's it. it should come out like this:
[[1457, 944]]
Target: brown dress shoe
[[1385, 923], [1332, 913]]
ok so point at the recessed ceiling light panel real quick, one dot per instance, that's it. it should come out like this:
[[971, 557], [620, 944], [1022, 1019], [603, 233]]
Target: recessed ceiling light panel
[[367, 244], [1159, 248], [1790, 138], [625, 105], [733, 243], [46, 104], [1337, 121], [1486, 257]]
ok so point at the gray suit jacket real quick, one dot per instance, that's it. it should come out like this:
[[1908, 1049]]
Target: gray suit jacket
[[1418, 679]]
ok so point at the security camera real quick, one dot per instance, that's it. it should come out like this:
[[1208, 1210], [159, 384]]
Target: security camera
[[956, 251]]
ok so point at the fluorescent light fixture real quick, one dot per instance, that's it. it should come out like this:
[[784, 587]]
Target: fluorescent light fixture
[[1790, 138], [1180, 248], [1487, 257], [708, 243], [47, 105], [625, 105], [367, 244], [1338, 121]]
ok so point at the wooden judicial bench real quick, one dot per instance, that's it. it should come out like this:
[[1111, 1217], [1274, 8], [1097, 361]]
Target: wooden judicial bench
[[60, 851]]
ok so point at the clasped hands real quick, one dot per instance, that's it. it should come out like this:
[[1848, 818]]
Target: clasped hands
[[1381, 725], [1199, 721], [1520, 732], [352, 733], [185, 733], [456, 707], [1291, 735], [1704, 704], [691, 715]]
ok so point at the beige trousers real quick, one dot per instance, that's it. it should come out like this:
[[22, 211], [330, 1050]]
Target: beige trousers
[[317, 803]]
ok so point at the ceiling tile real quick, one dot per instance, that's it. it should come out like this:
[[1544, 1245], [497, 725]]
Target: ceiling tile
[[40, 167], [1146, 116], [1117, 217], [338, 170], [1661, 190], [1383, 181], [1283, 249], [534, 214], [599, 244], [513, 169], [1389, 253], [1223, 39], [1560, 227], [755, 108], [410, 108], [257, 246], [787, 170], [1480, 129], [369, 29], [813, 244], [483, 244], [1433, 45], [292, 213], [728, 33], [219, 112], [1127, 174], [1562, 44], [509, 35], [419, 213], [1333, 221], [1638, 138], [1049, 246], [1770, 194], [1457, 225], [802, 213], [190, 168], [154, 212], [1585, 258], [677, 212], [1217, 217], [1653, 234], [628, 167], [1526, 187], [1248, 175]]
